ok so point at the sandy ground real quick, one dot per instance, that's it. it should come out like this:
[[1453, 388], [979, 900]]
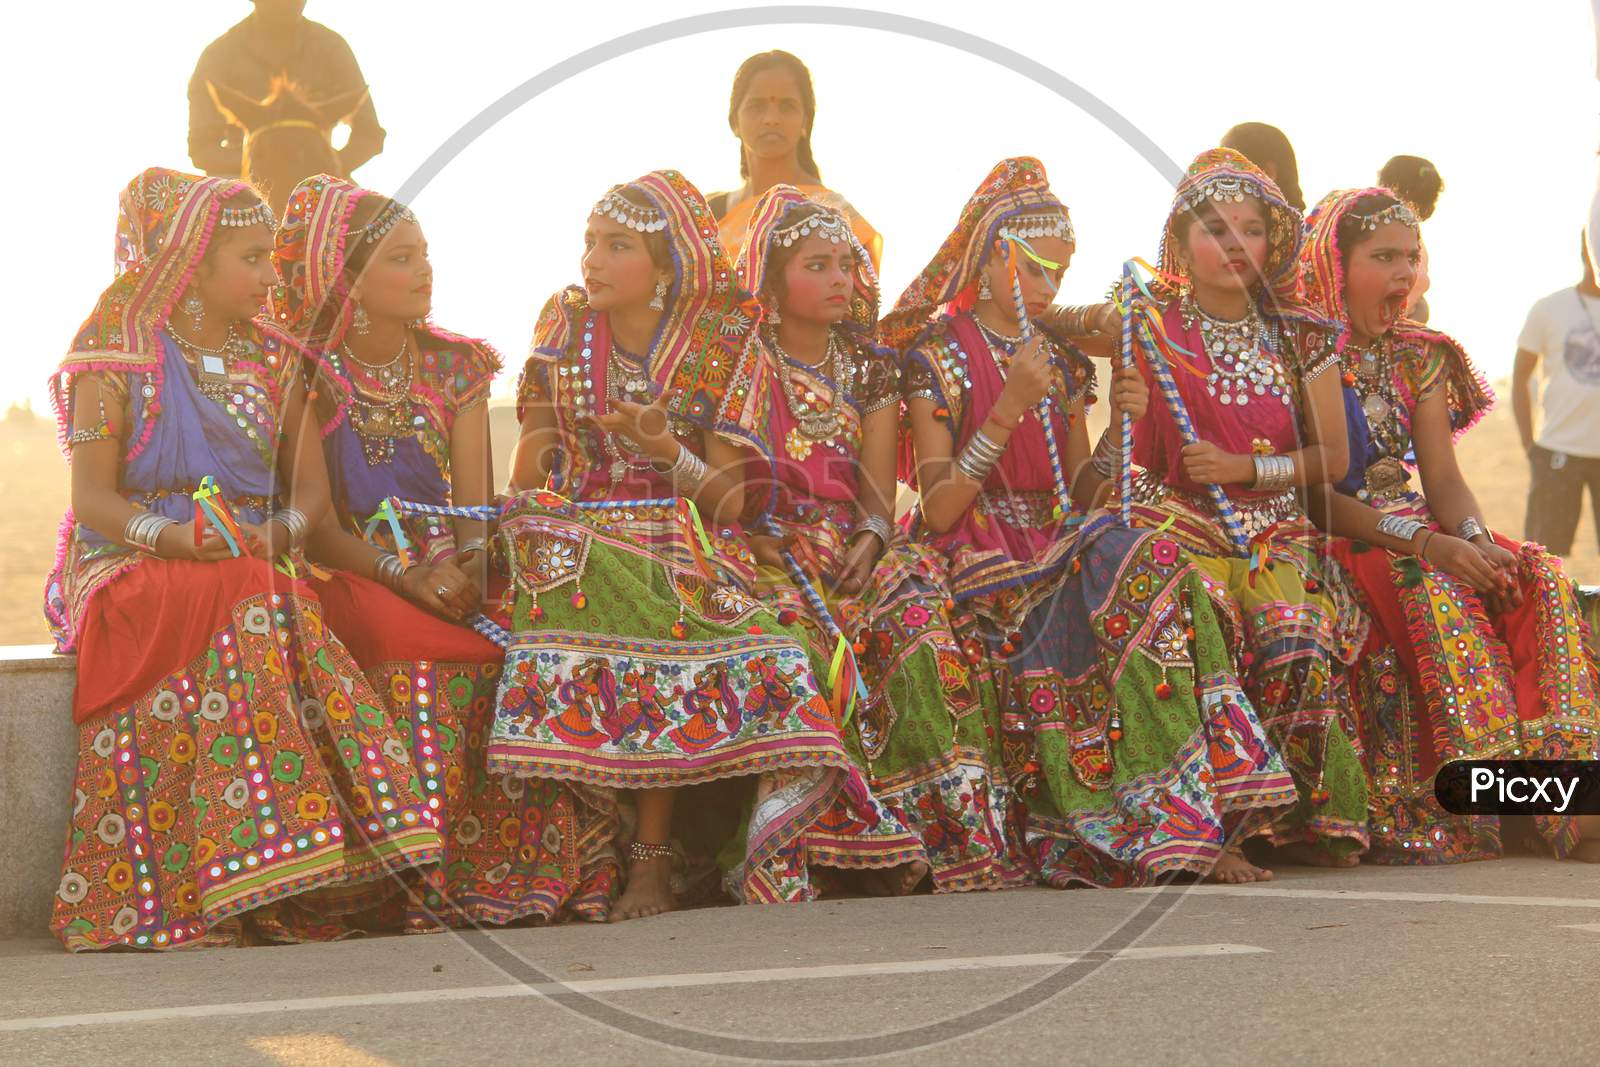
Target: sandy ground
[[33, 482]]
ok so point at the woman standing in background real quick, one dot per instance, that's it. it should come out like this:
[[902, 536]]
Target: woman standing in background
[[772, 111]]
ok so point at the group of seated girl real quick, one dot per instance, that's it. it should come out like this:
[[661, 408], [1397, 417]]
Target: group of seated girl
[[334, 680]]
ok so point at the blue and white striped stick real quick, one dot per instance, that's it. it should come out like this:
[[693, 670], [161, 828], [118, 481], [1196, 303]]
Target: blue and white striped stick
[[1125, 466], [1162, 371], [1063, 492]]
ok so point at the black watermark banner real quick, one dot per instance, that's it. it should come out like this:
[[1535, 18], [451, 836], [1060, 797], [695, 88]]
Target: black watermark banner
[[1519, 787]]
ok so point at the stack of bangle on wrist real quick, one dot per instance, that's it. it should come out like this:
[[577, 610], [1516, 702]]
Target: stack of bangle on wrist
[[1107, 457], [979, 457], [688, 471], [389, 570], [1470, 527], [144, 529], [1075, 320], [876, 524], [1273, 473], [294, 523], [1400, 527]]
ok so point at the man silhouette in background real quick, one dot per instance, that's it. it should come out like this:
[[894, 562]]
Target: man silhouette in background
[[276, 39]]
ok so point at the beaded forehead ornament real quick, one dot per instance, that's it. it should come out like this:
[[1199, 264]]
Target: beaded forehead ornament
[[619, 208], [1399, 212], [1040, 224], [823, 223], [391, 215], [248, 216]]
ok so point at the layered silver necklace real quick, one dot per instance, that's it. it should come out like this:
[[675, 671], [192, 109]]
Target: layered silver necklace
[[1241, 366]]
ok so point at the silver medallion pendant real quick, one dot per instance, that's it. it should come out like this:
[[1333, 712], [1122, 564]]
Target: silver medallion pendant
[[1376, 408]]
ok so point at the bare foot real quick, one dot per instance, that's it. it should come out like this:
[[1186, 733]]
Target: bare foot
[[1233, 869], [1309, 855], [898, 881], [649, 890]]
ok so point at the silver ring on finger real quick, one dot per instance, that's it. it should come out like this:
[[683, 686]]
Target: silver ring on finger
[[442, 591]]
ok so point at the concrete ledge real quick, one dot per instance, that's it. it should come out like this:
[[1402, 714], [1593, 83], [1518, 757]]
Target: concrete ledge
[[38, 758]]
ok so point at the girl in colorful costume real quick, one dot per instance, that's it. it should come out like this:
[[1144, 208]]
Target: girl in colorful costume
[[1131, 742], [1253, 416], [1477, 643], [641, 657], [926, 732], [772, 110], [402, 407], [211, 697]]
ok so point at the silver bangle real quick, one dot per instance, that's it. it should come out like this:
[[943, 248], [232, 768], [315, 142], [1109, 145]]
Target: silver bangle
[[1107, 457], [389, 570], [978, 458], [1470, 527], [1398, 526], [1273, 473], [876, 524], [1285, 476], [688, 471], [144, 529], [294, 523], [476, 544]]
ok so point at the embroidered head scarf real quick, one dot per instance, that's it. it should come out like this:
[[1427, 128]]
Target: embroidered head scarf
[[1221, 176], [313, 302], [770, 230], [1014, 198], [1321, 275], [703, 355], [165, 221]]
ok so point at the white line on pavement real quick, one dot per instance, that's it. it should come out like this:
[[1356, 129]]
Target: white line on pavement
[[1592, 928], [1257, 890], [619, 985]]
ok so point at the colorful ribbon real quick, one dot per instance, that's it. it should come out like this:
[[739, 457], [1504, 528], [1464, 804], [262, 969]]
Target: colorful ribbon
[[287, 567], [846, 687], [210, 509], [388, 513]]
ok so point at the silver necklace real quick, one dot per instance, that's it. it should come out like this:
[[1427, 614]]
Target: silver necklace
[[211, 364], [634, 387], [1240, 367], [387, 374]]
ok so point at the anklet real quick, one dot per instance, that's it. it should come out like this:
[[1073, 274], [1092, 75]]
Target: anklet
[[640, 850]]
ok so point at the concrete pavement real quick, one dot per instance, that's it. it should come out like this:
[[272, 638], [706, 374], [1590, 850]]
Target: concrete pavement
[[1482, 963]]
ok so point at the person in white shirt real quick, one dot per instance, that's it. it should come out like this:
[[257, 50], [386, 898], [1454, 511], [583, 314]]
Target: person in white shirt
[[1561, 335]]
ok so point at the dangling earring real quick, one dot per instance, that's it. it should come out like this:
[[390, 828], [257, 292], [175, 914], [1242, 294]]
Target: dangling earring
[[659, 301], [1187, 311], [360, 321], [196, 311], [776, 317], [984, 292]]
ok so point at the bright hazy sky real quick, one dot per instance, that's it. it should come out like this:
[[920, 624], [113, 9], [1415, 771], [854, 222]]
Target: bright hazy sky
[[1501, 97]]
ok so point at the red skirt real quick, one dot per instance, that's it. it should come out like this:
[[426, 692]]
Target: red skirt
[[515, 848], [230, 757], [1443, 678]]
